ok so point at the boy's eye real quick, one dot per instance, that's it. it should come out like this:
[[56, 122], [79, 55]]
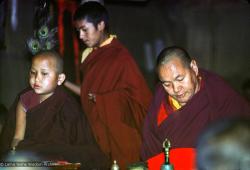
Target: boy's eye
[[44, 74], [32, 72], [82, 29]]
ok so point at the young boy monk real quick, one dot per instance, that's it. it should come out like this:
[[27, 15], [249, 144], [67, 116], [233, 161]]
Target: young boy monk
[[46, 120], [45, 75]]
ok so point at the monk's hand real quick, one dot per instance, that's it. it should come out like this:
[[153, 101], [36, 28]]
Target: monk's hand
[[92, 97]]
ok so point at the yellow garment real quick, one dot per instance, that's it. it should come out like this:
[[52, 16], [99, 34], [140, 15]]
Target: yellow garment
[[87, 51], [175, 103]]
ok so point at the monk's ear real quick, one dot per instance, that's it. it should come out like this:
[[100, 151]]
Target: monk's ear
[[101, 26], [194, 67], [61, 78]]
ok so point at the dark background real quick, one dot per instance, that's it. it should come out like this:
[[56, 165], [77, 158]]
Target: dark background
[[215, 32]]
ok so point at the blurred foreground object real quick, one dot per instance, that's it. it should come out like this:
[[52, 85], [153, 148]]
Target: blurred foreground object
[[138, 166], [225, 146]]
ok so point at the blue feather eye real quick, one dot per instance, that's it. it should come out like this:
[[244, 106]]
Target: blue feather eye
[[34, 45], [43, 32], [44, 39]]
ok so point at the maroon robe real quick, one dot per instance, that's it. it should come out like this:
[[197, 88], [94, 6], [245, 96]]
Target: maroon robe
[[56, 129], [216, 100], [122, 100]]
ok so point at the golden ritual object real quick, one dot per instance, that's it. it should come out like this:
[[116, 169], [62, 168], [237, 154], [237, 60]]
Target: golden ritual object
[[166, 165], [115, 166]]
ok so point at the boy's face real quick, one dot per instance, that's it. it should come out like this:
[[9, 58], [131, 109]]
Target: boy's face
[[89, 34], [43, 76]]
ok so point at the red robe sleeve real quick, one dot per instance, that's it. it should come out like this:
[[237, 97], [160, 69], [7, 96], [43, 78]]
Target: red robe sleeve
[[122, 112]]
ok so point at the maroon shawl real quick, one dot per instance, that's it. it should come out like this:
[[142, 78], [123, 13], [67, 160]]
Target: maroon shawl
[[214, 101], [122, 100], [56, 129]]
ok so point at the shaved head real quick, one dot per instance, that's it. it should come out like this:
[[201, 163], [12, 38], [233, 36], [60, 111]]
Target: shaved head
[[50, 54]]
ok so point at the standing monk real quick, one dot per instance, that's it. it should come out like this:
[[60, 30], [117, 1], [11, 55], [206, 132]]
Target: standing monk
[[114, 94]]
